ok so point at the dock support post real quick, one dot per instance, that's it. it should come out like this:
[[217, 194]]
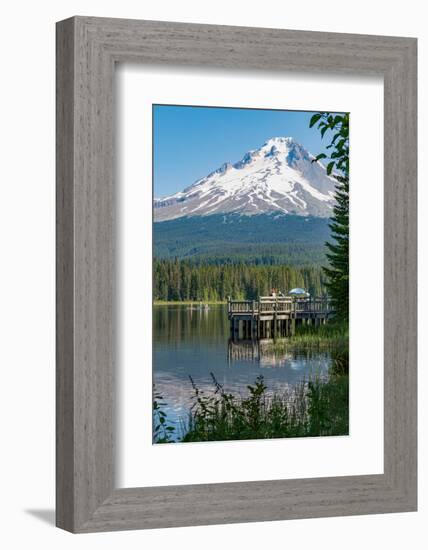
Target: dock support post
[[253, 322], [275, 313]]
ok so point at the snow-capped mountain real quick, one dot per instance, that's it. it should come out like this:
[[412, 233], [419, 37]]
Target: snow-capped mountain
[[278, 177]]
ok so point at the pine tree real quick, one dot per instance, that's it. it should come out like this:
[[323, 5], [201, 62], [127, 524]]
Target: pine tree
[[338, 251]]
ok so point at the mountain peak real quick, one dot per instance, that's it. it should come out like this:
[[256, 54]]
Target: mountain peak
[[277, 177], [279, 141]]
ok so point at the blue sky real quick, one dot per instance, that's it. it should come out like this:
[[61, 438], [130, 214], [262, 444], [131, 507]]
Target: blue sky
[[190, 142]]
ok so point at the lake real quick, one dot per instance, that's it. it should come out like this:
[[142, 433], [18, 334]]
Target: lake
[[192, 342]]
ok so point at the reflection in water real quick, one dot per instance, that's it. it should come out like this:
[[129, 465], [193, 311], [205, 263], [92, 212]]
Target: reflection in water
[[265, 354], [196, 342]]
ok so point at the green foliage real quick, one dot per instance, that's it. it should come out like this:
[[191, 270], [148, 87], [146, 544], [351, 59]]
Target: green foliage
[[338, 125], [328, 406], [337, 251], [163, 432], [310, 409], [340, 358], [184, 280]]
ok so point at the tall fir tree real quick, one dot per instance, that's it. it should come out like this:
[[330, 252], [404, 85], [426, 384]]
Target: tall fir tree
[[338, 251]]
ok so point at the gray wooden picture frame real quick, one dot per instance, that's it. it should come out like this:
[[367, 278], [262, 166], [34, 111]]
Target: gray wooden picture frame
[[87, 50]]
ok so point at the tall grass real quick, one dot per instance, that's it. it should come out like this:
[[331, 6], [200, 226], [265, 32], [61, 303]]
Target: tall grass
[[330, 335], [163, 431], [315, 407]]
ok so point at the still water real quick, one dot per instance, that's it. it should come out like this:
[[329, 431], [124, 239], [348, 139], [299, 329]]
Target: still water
[[194, 342]]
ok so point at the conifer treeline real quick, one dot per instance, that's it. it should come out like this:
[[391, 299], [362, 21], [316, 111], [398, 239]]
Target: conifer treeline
[[182, 280]]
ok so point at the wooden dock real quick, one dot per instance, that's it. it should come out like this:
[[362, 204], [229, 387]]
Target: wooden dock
[[271, 317]]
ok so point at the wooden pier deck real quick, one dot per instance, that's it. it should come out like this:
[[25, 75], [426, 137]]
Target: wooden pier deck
[[271, 317]]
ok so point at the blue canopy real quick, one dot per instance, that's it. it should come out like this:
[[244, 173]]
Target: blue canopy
[[298, 292]]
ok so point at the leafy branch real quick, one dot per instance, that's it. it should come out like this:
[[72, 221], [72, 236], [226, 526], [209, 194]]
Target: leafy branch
[[339, 125]]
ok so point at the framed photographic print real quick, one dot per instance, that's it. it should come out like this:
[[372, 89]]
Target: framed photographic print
[[236, 274]]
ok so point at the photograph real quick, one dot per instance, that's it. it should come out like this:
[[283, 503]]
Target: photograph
[[250, 273]]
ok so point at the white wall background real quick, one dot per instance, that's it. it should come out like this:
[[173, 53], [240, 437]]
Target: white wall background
[[27, 272]]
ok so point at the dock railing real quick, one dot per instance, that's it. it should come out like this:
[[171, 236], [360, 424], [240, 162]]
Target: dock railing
[[279, 304]]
